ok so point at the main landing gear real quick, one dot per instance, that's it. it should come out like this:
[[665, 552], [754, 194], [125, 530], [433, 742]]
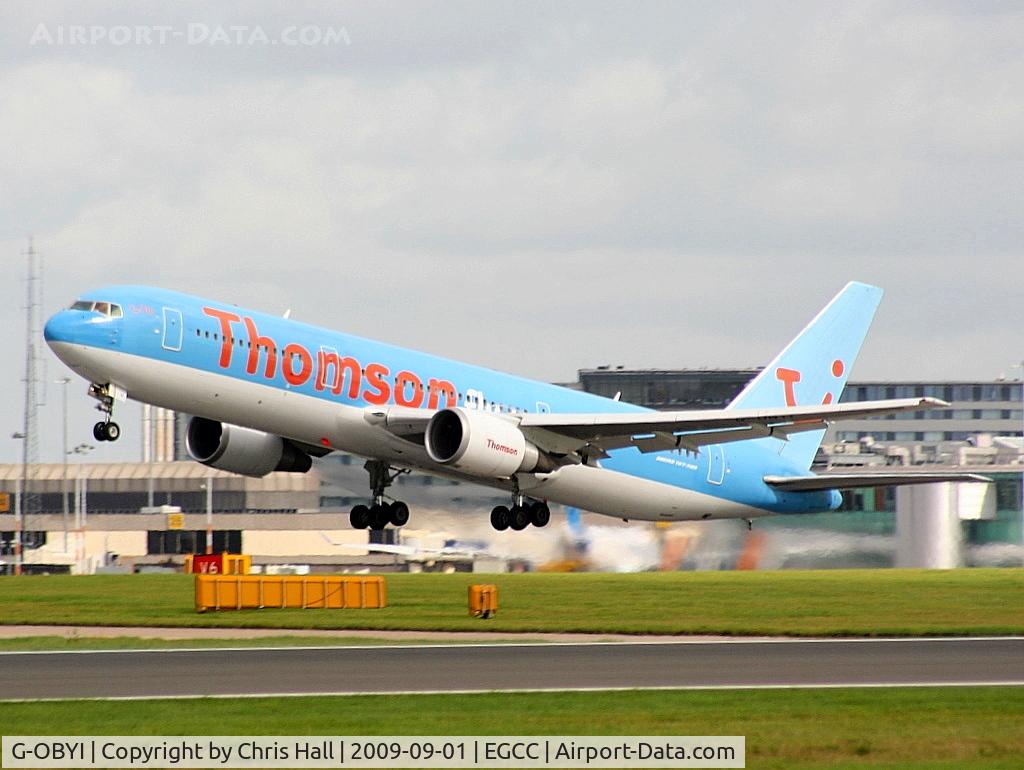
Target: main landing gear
[[521, 515], [380, 513], [106, 429]]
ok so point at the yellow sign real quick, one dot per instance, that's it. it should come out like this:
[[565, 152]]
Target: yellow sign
[[5, 502], [175, 521]]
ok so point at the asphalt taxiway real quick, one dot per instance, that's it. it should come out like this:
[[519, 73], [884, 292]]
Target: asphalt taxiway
[[511, 667]]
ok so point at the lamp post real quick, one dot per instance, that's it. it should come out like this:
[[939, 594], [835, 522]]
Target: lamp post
[[209, 512], [65, 381], [80, 503]]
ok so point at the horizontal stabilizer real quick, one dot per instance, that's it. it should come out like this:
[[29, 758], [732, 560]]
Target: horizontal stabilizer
[[861, 480]]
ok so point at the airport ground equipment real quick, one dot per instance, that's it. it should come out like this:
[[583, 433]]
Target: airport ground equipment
[[483, 600], [241, 592], [218, 564]]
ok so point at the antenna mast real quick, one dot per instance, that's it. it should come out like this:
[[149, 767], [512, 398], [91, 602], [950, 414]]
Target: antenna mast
[[29, 502]]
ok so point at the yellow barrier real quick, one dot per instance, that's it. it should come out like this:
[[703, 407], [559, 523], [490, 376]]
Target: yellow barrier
[[483, 600], [243, 592], [218, 564]]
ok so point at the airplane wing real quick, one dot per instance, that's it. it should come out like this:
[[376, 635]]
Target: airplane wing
[[861, 480], [596, 434]]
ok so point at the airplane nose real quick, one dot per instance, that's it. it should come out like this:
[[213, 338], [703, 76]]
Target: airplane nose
[[60, 327], [57, 328]]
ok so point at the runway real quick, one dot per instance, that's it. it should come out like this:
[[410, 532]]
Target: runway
[[468, 668]]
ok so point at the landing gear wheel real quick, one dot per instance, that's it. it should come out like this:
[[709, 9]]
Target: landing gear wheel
[[499, 518], [519, 518], [378, 516], [540, 514], [359, 518], [99, 431], [398, 513], [112, 431]]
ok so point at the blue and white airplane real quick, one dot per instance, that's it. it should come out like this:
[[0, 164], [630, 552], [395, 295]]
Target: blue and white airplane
[[268, 394]]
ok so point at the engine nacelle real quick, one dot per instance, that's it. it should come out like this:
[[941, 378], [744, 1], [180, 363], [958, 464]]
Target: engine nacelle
[[480, 444], [242, 450]]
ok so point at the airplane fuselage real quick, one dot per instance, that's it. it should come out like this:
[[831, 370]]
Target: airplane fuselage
[[321, 388]]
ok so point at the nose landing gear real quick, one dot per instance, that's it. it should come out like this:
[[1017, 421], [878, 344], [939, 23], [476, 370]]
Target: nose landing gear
[[106, 430]]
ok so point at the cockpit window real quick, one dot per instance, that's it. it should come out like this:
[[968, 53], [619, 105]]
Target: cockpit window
[[108, 309]]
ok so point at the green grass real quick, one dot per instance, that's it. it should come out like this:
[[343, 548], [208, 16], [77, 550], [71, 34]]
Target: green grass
[[814, 603], [74, 643], [845, 728]]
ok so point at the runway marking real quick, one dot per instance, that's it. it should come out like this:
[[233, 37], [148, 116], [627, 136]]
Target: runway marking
[[656, 688], [508, 645]]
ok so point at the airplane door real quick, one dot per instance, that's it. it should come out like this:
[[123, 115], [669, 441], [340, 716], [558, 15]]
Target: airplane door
[[716, 464], [173, 331]]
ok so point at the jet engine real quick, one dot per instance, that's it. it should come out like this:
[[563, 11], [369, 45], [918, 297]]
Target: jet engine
[[242, 450], [482, 444]]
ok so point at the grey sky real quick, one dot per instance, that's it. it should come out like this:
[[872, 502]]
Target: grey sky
[[532, 187]]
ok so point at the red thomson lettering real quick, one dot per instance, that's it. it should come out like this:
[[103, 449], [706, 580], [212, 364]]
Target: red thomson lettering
[[789, 378], [294, 352], [403, 379], [438, 388], [378, 391], [333, 371], [503, 448], [255, 343], [340, 367], [226, 319]]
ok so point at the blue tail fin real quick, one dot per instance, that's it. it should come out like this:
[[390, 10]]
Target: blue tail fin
[[814, 367]]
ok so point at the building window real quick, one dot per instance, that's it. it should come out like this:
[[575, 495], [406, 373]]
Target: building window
[[383, 536], [29, 541], [991, 392], [962, 393], [1008, 494], [183, 541]]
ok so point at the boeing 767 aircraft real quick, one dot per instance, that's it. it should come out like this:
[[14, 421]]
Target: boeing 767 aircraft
[[268, 394]]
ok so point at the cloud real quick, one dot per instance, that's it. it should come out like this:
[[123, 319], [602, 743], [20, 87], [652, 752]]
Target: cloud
[[540, 188]]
